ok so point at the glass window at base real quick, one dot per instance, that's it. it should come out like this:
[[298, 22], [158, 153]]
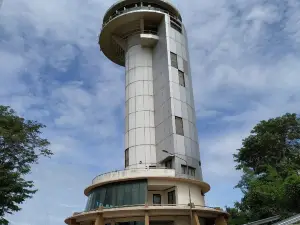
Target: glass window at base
[[118, 194]]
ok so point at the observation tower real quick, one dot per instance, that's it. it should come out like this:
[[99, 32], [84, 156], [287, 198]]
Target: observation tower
[[162, 181]]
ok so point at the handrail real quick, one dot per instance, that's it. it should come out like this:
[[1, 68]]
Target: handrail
[[148, 168], [126, 10], [288, 221], [263, 221], [128, 169], [150, 205]]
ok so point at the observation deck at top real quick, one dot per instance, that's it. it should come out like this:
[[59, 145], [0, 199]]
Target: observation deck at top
[[123, 19]]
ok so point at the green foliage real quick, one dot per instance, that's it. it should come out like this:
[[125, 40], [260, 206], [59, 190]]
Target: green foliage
[[20, 147], [237, 217], [270, 162]]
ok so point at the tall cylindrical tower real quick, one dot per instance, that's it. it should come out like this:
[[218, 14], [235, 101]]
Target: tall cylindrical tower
[[150, 41], [162, 181]]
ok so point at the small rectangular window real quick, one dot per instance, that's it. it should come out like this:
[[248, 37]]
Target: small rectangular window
[[156, 199], [179, 125], [168, 164], [127, 157], [192, 171], [171, 198], [181, 78], [183, 169], [174, 60]]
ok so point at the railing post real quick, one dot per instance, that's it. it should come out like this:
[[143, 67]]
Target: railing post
[[99, 220], [220, 221], [196, 218]]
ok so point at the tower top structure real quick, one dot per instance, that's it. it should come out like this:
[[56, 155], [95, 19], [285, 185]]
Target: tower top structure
[[116, 27]]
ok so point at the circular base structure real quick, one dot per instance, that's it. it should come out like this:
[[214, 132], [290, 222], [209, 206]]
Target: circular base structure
[[141, 195]]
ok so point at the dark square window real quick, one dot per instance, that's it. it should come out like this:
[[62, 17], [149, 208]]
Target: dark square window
[[156, 199], [168, 164]]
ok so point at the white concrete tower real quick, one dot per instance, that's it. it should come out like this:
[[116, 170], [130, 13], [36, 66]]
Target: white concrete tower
[[162, 181], [150, 41]]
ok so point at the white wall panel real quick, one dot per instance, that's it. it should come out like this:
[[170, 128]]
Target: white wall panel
[[132, 124], [140, 136], [131, 139]]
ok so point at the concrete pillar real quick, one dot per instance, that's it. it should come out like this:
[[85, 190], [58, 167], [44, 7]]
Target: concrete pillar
[[99, 220], [196, 219], [220, 221], [73, 222], [147, 222]]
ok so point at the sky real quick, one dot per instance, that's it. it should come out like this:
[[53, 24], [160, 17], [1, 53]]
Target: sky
[[245, 62]]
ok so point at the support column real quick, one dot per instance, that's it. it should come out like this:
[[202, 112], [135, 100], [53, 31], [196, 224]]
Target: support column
[[196, 219], [73, 222], [99, 220], [220, 221], [147, 222]]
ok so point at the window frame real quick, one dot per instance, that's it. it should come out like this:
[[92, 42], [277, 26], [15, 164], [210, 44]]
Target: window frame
[[127, 157], [178, 130], [183, 169], [169, 164], [173, 202], [174, 54], [181, 74], [156, 195], [191, 171]]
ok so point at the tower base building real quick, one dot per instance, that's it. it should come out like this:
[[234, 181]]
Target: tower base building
[[162, 181]]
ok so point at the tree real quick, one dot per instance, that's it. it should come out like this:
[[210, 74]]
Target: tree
[[20, 147], [237, 217], [270, 162]]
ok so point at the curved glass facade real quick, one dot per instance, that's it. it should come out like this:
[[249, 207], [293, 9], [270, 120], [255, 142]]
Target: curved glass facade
[[118, 194]]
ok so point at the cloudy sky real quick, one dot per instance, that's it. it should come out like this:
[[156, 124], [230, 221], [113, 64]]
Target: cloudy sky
[[245, 61]]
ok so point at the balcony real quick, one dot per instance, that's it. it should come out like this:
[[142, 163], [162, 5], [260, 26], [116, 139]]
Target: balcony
[[137, 8], [133, 174]]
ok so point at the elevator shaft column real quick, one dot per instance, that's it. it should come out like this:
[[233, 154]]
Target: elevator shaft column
[[139, 115]]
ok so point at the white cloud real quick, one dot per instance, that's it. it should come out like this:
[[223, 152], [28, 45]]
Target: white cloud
[[244, 58]]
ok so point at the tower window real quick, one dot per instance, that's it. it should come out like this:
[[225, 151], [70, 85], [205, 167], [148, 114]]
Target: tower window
[[156, 199], [171, 197], [192, 171], [181, 78], [189, 171], [174, 60], [127, 157], [183, 169], [168, 164], [179, 125]]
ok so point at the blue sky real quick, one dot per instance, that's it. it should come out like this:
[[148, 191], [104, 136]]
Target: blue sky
[[245, 62]]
